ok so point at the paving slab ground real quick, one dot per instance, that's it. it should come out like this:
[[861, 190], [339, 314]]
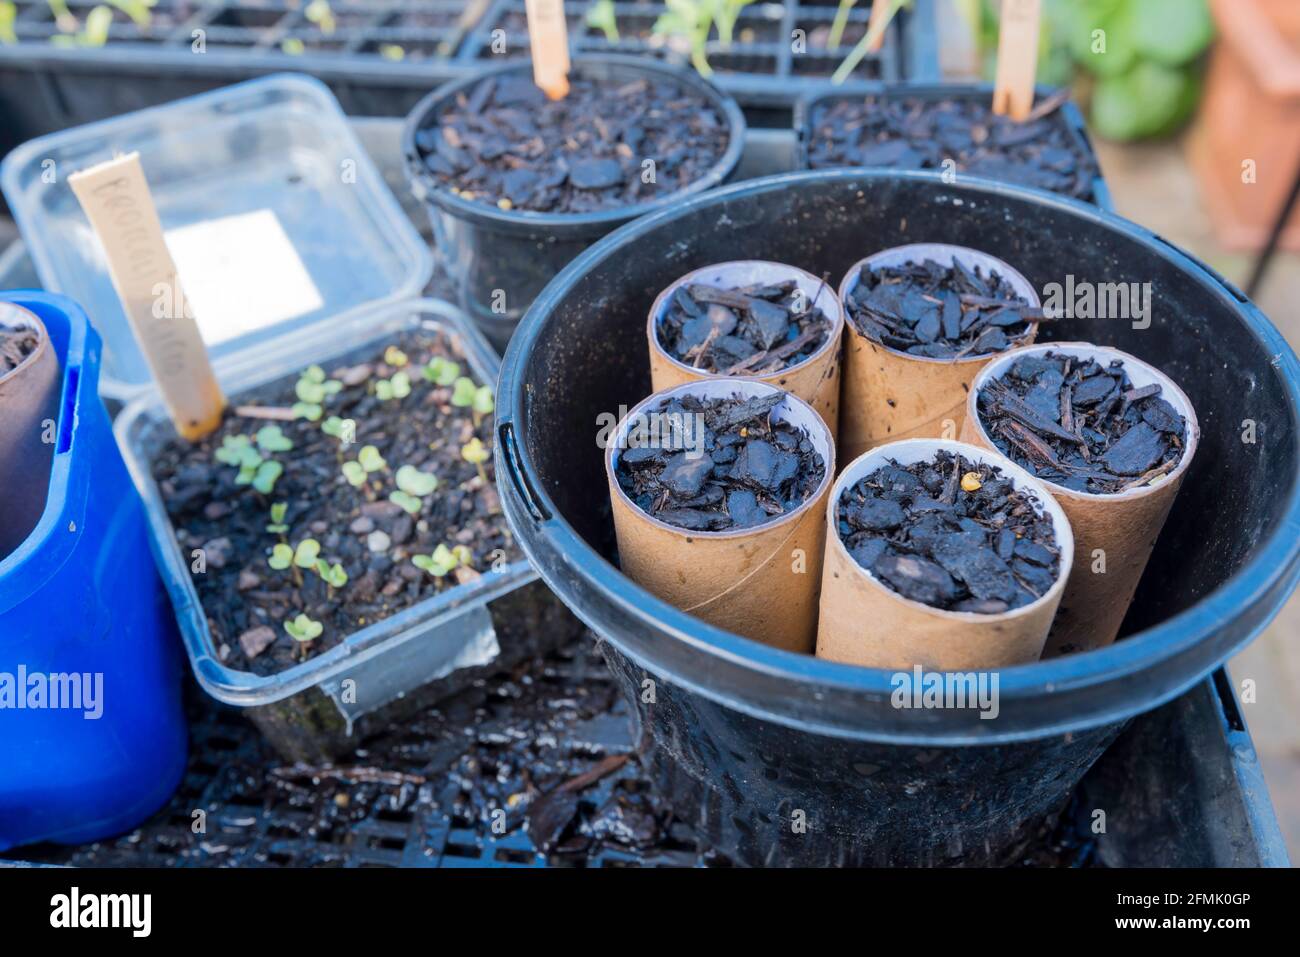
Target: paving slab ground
[[1154, 186]]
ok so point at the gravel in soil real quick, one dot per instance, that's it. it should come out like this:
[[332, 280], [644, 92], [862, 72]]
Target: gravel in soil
[[950, 533], [15, 346], [1082, 425], [940, 312], [900, 132], [718, 464], [504, 143], [742, 330], [365, 531]]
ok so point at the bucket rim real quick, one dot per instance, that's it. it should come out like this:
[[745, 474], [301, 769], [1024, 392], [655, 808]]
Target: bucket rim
[[1272, 570]]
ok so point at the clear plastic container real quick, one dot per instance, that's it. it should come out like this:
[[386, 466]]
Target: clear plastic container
[[264, 181], [265, 193]]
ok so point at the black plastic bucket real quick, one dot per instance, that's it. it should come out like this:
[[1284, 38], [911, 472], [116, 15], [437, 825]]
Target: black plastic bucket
[[743, 737], [499, 259]]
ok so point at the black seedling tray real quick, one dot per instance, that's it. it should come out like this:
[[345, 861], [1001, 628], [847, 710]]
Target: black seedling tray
[[1180, 787], [46, 87]]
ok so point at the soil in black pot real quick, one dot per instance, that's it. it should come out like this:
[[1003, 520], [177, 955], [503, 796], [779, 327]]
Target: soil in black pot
[[398, 539], [15, 346], [742, 330], [1082, 425], [902, 132], [718, 464], [950, 533], [503, 142], [942, 312]]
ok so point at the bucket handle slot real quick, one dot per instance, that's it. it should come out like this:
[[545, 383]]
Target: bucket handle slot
[[510, 459]]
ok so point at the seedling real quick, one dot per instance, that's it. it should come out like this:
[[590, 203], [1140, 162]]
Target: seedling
[[8, 14], [370, 459], [411, 485], [476, 453], [392, 51], [442, 371], [439, 564], [345, 430], [332, 575], [238, 450], [463, 392], [292, 46], [137, 10], [278, 512], [484, 403], [304, 556], [311, 411], [601, 17], [874, 32], [304, 630], [313, 387], [395, 357], [354, 473], [398, 387], [264, 479], [728, 13], [270, 438], [689, 20], [408, 503], [462, 555], [319, 13]]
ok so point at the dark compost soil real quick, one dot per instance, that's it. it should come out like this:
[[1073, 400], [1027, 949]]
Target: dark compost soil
[[371, 537], [740, 470], [940, 312], [951, 534], [15, 346], [742, 330], [900, 132], [504, 143], [1082, 425]]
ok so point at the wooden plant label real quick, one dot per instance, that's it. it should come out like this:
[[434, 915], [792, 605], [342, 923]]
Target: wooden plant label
[[549, 37], [116, 200], [1013, 91]]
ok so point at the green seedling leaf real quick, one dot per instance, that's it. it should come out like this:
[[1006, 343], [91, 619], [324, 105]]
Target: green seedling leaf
[[234, 450], [267, 474], [271, 438], [278, 512], [398, 387], [354, 473], [343, 429], [441, 371], [475, 452], [307, 410], [319, 13], [414, 482], [442, 561], [281, 557], [303, 628], [332, 575], [463, 555], [314, 373], [306, 553], [395, 357], [484, 402], [370, 459], [462, 393], [407, 502], [292, 46]]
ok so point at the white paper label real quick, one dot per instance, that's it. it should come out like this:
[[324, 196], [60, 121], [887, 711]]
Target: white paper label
[[241, 273]]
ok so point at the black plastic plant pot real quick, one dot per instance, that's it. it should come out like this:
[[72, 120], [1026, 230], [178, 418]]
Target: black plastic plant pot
[[783, 758], [806, 112], [500, 259]]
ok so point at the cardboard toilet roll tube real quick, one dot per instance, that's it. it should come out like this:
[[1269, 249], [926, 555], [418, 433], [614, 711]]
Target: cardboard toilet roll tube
[[890, 395], [29, 399], [865, 622], [816, 379], [1123, 525], [759, 582]]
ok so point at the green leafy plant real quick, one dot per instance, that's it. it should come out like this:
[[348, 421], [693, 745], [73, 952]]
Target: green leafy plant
[[484, 403], [439, 564], [872, 37], [395, 357], [689, 21], [370, 459], [304, 556], [320, 13], [270, 438], [278, 512], [313, 387], [304, 630], [602, 17], [476, 453], [412, 484], [398, 387], [264, 479], [354, 473], [93, 34], [333, 575], [441, 371], [463, 392], [725, 17], [8, 14], [238, 450], [345, 430], [463, 555]]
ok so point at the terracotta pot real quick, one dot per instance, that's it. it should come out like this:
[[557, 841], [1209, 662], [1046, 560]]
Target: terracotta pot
[[1122, 526], [865, 622], [1250, 116], [28, 415], [890, 395], [816, 379], [760, 582]]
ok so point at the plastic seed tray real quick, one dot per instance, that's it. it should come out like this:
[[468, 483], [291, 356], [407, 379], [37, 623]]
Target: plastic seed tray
[[383, 55]]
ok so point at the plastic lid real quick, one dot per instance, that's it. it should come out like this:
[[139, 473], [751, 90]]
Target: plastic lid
[[273, 211]]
